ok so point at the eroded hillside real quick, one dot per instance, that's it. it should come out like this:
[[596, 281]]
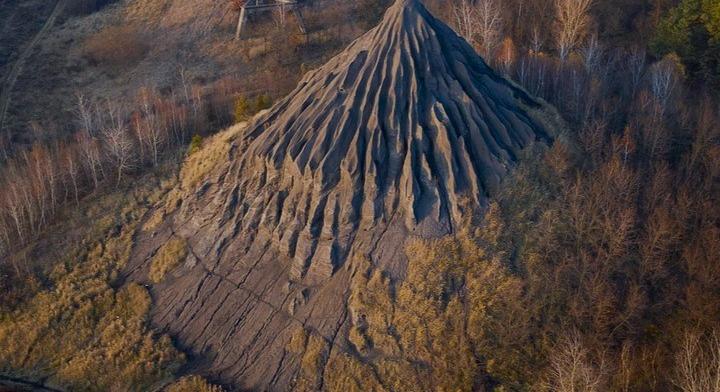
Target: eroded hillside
[[405, 133]]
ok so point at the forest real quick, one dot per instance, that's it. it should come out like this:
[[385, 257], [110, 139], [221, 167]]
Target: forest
[[595, 267]]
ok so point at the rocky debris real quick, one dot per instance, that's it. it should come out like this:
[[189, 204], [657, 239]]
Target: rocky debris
[[405, 133]]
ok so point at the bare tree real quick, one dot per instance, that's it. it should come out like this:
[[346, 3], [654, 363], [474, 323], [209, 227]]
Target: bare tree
[[536, 44], [697, 364], [521, 73], [5, 240], [635, 64], [153, 135], [592, 53], [572, 20], [527, 74], [35, 161], [25, 184], [85, 114], [466, 20], [90, 149], [624, 367], [571, 369], [480, 23], [137, 126], [490, 25], [507, 54], [13, 204], [197, 105], [119, 147], [663, 78], [52, 176], [72, 168], [185, 81]]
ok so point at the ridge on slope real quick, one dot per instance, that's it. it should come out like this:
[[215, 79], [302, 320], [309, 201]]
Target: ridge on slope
[[402, 134]]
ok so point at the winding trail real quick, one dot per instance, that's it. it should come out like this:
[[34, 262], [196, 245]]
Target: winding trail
[[31, 386], [17, 67]]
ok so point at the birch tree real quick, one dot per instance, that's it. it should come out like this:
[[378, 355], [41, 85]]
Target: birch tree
[[72, 169], [85, 114], [490, 26], [697, 364], [119, 148], [571, 369], [466, 20], [480, 23], [572, 20]]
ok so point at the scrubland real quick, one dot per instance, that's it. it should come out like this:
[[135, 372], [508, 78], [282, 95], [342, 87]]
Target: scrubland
[[595, 268]]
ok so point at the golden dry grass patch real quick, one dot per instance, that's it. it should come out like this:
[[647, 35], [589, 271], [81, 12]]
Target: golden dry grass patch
[[171, 255], [213, 152], [193, 384]]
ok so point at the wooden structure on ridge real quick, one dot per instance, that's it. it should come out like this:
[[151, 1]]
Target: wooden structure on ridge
[[250, 6]]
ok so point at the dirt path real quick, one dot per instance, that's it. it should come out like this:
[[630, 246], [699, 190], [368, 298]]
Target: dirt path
[[16, 68], [16, 384]]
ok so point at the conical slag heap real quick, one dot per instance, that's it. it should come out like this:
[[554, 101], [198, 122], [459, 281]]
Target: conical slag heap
[[408, 118], [401, 134]]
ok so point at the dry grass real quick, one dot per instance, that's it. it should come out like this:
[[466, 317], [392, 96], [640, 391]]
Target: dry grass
[[82, 333], [348, 374], [371, 306], [314, 351], [298, 341], [155, 220], [449, 311], [213, 152], [193, 384], [206, 157], [171, 255]]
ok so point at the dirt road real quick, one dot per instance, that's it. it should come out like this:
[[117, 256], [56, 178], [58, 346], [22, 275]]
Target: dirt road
[[19, 385], [16, 69]]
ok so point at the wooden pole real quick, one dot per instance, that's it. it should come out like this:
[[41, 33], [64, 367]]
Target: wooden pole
[[300, 21], [241, 22]]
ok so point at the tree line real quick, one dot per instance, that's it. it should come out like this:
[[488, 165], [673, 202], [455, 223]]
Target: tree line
[[113, 141]]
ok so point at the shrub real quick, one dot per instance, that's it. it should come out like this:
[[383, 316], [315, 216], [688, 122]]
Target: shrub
[[115, 46], [242, 109], [195, 144], [167, 258], [262, 102]]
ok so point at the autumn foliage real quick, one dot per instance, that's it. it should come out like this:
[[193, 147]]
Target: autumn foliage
[[595, 268]]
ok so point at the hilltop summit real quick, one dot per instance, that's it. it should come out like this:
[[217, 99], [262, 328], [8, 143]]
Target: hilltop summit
[[403, 134]]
